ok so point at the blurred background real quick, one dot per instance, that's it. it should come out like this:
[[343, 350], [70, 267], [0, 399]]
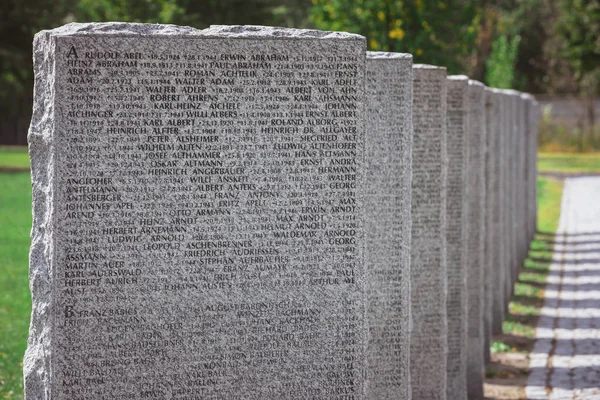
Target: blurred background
[[547, 47]]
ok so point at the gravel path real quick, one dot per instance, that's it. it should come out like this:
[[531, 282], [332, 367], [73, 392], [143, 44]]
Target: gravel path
[[565, 361]]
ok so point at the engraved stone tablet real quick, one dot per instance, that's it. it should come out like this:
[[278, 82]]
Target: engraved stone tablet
[[513, 125], [387, 204], [495, 258], [475, 238], [528, 104], [491, 255], [198, 229], [456, 231], [507, 233], [535, 115], [523, 104], [429, 346], [521, 227]]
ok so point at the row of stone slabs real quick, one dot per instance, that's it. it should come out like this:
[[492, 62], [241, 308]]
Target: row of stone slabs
[[266, 213]]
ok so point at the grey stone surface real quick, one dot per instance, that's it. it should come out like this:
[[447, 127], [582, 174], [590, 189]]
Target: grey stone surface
[[491, 251], [476, 239], [506, 129], [535, 119], [497, 256], [530, 165], [521, 230], [516, 222], [388, 223], [198, 214], [511, 127], [428, 243], [456, 232], [526, 105]]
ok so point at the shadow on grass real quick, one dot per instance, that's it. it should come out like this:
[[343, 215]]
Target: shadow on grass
[[542, 236], [509, 370]]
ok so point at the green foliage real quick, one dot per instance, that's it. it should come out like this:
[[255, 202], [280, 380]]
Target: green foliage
[[148, 11], [435, 32], [499, 347], [19, 21], [501, 62], [579, 28]]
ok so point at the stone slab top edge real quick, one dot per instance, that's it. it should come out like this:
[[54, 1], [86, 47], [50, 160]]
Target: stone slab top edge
[[429, 66], [527, 96], [458, 78], [510, 92], [473, 82], [388, 55], [258, 31], [121, 28], [214, 31], [492, 90]]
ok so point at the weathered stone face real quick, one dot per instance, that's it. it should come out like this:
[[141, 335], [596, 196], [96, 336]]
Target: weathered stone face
[[198, 213], [491, 249], [456, 231], [495, 254], [428, 243], [476, 238], [506, 129], [388, 226]]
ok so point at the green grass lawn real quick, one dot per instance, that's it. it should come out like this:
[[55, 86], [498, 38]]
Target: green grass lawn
[[15, 300], [570, 163], [15, 157]]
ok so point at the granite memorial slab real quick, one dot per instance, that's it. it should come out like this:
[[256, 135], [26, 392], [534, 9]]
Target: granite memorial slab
[[526, 180], [476, 238], [429, 348], [456, 231], [495, 235], [492, 237], [198, 208], [388, 223]]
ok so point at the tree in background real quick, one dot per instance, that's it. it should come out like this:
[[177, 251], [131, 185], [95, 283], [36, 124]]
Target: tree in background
[[19, 21], [500, 72], [156, 11], [435, 32], [579, 29]]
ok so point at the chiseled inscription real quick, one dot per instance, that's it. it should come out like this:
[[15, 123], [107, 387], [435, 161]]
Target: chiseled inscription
[[209, 229]]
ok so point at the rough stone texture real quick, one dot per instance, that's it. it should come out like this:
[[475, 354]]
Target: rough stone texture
[[511, 127], [198, 214], [531, 158], [505, 128], [521, 229], [516, 222], [491, 251], [456, 232], [497, 257], [388, 226], [428, 243], [476, 238], [535, 119], [526, 105]]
